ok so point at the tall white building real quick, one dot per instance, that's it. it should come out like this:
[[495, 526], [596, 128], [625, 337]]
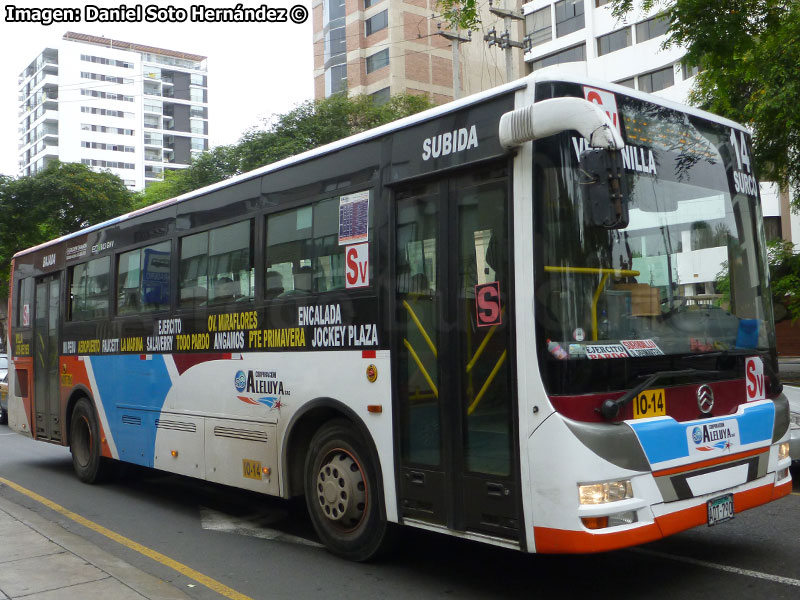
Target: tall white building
[[581, 36], [132, 109]]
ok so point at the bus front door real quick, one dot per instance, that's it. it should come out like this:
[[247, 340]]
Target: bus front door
[[456, 405], [45, 347]]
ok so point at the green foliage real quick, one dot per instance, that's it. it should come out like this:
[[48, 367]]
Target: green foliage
[[206, 168], [749, 52], [311, 124], [63, 198], [784, 274], [784, 270], [460, 14], [318, 122]]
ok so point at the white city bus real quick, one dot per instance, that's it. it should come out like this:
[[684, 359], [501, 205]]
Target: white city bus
[[482, 320]]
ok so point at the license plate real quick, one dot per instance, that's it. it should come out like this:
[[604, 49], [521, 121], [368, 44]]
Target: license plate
[[251, 469], [650, 403], [720, 509]]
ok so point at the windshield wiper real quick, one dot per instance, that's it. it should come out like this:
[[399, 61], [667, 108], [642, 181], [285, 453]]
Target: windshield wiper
[[610, 408]]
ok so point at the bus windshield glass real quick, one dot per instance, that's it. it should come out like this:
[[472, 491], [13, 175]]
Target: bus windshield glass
[[684, 274]]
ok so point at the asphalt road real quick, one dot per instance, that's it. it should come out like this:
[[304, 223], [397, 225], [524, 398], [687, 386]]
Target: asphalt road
[[265, 548]]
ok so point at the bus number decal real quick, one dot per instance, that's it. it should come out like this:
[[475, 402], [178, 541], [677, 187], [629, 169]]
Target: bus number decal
[[357, 262]]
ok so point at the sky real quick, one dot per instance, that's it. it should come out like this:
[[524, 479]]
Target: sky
[[255, 70]]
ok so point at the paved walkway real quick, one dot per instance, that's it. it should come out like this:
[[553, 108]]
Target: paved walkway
[[40, 560], [789, 368]]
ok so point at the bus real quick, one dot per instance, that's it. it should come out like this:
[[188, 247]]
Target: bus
[[493, 319]]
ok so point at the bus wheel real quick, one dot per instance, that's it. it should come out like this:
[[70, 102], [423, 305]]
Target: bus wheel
[[84, 443], [342, 493]]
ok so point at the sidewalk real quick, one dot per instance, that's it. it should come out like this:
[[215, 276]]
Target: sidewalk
[[39, 560]]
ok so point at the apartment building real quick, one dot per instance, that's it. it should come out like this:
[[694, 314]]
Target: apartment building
[[132, 109], [387, 47]]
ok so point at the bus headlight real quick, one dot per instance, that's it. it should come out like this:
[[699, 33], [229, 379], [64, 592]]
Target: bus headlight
[[783, 451], [603, 493]]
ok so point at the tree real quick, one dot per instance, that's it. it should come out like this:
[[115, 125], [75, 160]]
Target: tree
[[209, 167], [63, 198], [748, 52], [318, 122], [311, 124]]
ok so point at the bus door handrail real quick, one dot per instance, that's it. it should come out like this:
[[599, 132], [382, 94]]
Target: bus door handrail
[[594, 271]]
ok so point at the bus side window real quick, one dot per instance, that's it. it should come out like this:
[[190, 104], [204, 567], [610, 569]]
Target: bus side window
[[88, 287], [24, 303], [143, 279], [302, 247], [216, 266]]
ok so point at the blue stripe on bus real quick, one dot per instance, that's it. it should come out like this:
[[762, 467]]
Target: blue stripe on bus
[[125, 381], [665, 439]]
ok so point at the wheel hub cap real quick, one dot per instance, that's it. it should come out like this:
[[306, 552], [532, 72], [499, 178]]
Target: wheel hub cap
[[340, 489]]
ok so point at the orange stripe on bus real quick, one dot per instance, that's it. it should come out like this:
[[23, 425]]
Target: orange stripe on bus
[[566, 541], [710, 462]]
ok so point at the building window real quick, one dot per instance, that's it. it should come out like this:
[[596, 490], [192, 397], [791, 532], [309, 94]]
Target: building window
[[335, 43], [336, 79], [378, 60], [569, 16], [657, 80], [616, 40], [200, 144], [197, 95], [628, 83], [368, 3], [381, 96], [196, 79], [334, 9], [647, 30], [539, 26], [687, 71], [599, 3], [376, 23], [574, 54]]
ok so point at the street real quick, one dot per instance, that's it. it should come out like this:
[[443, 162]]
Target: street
[[265, 548]]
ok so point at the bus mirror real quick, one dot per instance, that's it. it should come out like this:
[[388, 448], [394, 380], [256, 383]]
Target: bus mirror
[[604, 188]]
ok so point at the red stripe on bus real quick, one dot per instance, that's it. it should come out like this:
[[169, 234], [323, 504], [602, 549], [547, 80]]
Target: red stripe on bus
[[368, 354]]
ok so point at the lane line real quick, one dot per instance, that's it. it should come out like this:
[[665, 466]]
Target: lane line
[[165, 560], [718, 567]]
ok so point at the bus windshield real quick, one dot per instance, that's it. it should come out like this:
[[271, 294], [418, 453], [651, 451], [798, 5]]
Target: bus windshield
[[685, 275]]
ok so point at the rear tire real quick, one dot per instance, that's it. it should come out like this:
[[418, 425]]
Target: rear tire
[[343, 493], [84, 444]]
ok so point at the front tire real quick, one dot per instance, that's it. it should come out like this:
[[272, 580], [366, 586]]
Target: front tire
[[343, 493], [84, 444]]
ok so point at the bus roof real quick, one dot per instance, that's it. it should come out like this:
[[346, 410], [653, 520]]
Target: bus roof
[[406, 122]]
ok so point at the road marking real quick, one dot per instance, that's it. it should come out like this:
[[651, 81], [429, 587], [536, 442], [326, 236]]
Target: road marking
[[210, 583], [718, 567]]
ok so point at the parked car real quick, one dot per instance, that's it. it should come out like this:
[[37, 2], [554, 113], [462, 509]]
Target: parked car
[[793, 394], [3, 388]]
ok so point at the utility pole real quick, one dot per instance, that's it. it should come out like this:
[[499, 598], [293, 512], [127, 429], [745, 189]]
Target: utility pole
[[456, 39], [504, 40]]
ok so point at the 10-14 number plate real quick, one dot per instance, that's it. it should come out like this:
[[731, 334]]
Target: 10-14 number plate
[[720, 509], [650, 403]]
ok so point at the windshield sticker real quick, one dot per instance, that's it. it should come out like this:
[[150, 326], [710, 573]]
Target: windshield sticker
[[641, 347], [754, 371], [598, 351], [487, 304], [354, 218], [579, 334], [710, 439]]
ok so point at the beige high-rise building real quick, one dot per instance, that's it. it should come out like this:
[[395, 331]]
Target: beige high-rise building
[[388, 47]]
